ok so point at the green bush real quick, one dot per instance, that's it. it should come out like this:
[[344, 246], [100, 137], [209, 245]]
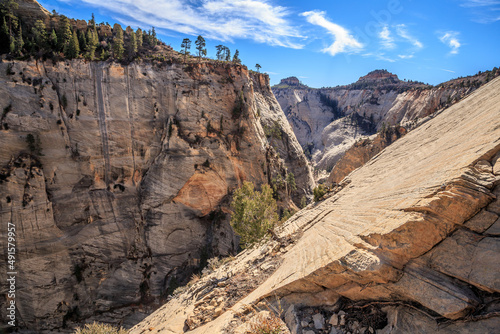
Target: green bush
[[319, 192], [98, 328], [273, 131], [303, 202], [254, 212]]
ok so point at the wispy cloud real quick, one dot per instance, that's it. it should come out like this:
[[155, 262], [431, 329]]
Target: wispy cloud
[[484, 11], [443, 69], [480, 3], [450, 38], [386, 38], [224, 20], [410, 56], [403, 32], [344, 41], [379, 56]]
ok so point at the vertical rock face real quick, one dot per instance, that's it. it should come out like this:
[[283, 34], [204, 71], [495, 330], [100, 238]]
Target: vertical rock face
[[119, 178], [328, 121]]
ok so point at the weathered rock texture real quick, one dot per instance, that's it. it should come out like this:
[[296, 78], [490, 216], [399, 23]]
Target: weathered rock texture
[[416, 228], [119, 178], [318, 116], [362, 151]]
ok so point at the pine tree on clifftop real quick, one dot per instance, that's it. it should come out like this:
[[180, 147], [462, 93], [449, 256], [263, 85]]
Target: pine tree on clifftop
[[73, 49], [4, 36], [131, 45], [19, 42], [39, 32], [236, 57], [139, 37], [92, 42], [64, 34], [200, 46], [118, 42], [185, 46]]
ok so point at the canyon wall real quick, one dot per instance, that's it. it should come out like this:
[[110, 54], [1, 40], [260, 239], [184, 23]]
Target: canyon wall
[[119, 178], [328, 121]]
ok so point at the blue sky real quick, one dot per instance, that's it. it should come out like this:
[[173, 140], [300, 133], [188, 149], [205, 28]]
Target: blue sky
[[323, 43]]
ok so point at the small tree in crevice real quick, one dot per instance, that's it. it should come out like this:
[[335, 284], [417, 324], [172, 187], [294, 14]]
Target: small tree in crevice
[[254, 213]]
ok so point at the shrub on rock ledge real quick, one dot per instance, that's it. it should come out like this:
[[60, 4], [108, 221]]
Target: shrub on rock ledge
[[254, 212]]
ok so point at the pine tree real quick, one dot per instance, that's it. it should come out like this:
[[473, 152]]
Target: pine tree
[[139, 37], [73, 49], [53, 39], [132, 45], [82, 40], [39, 32], [200, 46], [12, 44], [236, 57], [154, 40], [186, 46], [19, 43], [92, 43], [64, 34], [219, 54], [7, 8], [258, 67], [104, 55], [227, 54], [4, 36], [92, 21], [118, 42]]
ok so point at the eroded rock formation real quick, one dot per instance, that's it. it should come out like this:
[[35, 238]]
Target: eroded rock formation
[[328, 121], [413, 234], [119, 178]]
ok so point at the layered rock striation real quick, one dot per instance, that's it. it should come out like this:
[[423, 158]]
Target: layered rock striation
[[410, 243], [119, 179]]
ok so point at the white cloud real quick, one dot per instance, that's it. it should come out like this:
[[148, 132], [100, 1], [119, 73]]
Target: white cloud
[[402, 32], [379, 56], [450, 38], [410, 56], [344, 41], [223, 20], [483, 11], [387, 40], [443, 69], [480, 3]]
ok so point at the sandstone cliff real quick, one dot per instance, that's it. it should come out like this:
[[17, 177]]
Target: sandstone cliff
[[318, 116], [410, 244], [119, 178]]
